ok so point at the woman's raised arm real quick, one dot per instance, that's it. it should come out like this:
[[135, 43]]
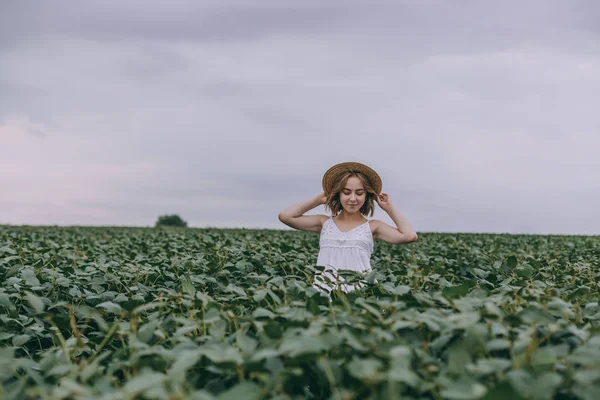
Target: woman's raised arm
[[293, 215]]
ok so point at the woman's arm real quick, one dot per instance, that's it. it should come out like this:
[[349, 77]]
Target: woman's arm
[[293, 215], [405, 232]]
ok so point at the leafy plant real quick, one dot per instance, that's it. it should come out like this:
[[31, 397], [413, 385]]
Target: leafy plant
[[123, 313], [170, 220]]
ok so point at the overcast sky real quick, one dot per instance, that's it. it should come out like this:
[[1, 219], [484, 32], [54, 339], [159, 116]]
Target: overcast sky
[[479, 116]]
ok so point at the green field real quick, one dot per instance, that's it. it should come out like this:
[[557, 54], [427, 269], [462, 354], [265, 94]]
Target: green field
[[123, 313]]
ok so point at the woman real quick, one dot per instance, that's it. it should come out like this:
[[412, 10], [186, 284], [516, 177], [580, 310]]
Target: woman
[[346, 240]]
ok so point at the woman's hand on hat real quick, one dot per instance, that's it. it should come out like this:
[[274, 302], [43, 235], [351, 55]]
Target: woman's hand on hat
[[384, 201], [322, 198]]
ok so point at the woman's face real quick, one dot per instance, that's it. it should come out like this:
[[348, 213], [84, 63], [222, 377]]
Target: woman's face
[[353, 195]]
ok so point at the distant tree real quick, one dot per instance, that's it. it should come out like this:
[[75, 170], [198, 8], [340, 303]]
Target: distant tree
[[171, 220]]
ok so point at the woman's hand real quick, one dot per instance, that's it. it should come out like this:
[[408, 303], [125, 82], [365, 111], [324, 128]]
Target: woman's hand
[[384, 201], [322, 198]]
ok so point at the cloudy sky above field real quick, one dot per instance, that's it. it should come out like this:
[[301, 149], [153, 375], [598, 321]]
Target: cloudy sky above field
[[480, 116]]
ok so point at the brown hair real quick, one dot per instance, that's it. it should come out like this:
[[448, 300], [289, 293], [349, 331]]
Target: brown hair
[[333, 199]]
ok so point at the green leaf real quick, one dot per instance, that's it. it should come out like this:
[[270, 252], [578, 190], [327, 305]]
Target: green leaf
[[259, 295], [502, 391], [298, 345], [486, 366], [274, 297], [352, 340], [242, 391], [7, 355], [144, 382], [222, 353], [7, 250], [204, 298], [262, 313], [188, 287], [146, 307], [246, 343], [464, 389], [61, 370], [235, 289], [549, 355], [365, 369], [532, 315], [264, 353], [20, 340], [372, 310], [587, 377], [14, 269], [201, 395], [463, 320], [521, 381], [111, 307], [35, 302], [497, 344], [403, 325], [458, 357], [400, 366], [524, 271], [545, 385], [452, 292], [401, 290], [5, 301], [183, 363]]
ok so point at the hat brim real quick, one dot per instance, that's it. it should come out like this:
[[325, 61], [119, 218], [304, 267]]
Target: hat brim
[[334, 173]]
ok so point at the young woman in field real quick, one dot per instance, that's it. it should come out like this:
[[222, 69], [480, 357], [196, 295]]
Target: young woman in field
[[346, 241]]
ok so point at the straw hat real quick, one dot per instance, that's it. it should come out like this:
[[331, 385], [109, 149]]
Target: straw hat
[[332, 175]]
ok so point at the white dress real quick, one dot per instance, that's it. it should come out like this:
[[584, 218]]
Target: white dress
[[343, 250]]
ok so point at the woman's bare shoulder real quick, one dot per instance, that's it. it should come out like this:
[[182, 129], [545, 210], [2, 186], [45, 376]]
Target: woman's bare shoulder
[[374, 224], [323, 219]]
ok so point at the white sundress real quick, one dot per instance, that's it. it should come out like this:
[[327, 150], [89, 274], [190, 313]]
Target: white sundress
[[343, 250]]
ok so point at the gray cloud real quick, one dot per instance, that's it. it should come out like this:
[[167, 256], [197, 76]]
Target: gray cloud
[[479, 116], [137, 20]]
